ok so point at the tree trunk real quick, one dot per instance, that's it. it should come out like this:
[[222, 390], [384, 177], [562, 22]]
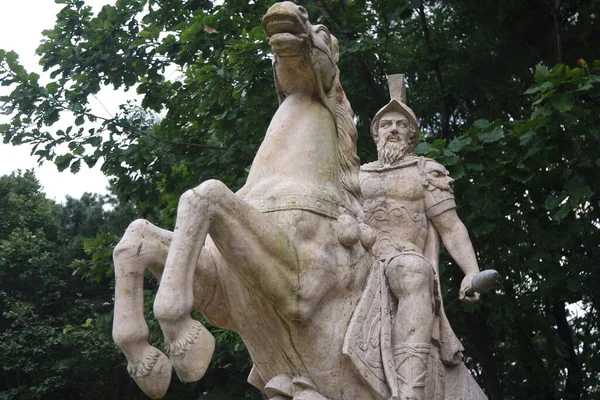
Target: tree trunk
[[480, 337], [574, 378], [435, 65]]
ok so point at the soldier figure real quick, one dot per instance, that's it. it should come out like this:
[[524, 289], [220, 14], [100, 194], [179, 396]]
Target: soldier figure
[[407, 199]]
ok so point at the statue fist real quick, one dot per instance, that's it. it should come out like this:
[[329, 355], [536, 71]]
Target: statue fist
[[466, 293]]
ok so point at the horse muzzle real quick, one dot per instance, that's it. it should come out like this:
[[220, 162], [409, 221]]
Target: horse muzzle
[[286, 25]]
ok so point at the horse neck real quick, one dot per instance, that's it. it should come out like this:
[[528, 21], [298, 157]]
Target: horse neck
[[303, 122], [299, 152], [295, 75]]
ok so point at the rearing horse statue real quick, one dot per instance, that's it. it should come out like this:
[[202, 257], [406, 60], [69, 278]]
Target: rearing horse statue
[[282, 262]]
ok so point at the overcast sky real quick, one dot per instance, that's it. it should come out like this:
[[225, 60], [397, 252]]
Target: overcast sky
[[21, 24]]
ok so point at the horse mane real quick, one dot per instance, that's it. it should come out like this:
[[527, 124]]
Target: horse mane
[[349, 162]]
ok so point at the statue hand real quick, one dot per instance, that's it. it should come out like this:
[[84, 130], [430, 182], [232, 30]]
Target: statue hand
[[464, 286]]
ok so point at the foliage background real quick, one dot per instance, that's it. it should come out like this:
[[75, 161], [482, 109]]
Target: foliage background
[[508, 99]]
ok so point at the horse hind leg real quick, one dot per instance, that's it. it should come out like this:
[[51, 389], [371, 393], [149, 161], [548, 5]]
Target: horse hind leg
[[143, 246]]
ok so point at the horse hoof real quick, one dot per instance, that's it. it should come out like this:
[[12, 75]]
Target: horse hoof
[[191, 356], [153, 374]]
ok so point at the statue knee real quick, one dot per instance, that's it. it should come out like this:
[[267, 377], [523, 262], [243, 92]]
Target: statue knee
[[130, 239], [207, 192], [407, 274]]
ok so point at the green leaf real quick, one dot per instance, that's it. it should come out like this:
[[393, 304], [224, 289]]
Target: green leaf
[[79, 150], [62, 162], [553, 201], [52, 88], [543, 88], [90, 161], [493, 136], [564, 210], [562, 103], [521, 175], [425, 148], [482, 124], [33, 77], [457, 172], [455, 145], [541, 72], [476, 167], [525, 138]]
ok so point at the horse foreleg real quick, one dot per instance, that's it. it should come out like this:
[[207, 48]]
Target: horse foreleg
[[143, 246], [258, 251]]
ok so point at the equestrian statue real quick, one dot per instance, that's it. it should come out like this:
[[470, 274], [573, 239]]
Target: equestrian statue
[[285, 262]]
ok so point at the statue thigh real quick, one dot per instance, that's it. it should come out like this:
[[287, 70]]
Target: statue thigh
[[410, 277]]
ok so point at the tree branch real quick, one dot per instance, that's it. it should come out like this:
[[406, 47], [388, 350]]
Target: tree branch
[[555, 10], [201, 146], [326, 12]]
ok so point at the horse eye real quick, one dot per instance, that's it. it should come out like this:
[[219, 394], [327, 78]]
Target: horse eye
[[326, 31]]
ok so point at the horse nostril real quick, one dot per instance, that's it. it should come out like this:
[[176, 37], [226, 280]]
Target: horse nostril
[[303, 12]]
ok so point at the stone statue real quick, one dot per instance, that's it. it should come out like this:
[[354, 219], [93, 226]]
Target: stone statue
[[286, 261], [409, 202], [282, 262]]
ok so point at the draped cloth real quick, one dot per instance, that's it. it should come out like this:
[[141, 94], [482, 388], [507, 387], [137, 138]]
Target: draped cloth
[[368, 340]]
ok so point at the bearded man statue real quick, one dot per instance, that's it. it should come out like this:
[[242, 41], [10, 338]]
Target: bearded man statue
[[399, 328]]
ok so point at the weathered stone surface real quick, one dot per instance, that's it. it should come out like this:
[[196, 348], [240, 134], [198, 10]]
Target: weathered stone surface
[[399, 325], [286, 262]]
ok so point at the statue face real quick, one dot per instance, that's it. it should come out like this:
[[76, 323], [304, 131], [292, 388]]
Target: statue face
[[394, 127], [393, 136]]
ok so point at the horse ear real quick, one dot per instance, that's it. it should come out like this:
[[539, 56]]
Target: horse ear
[[335, 48]]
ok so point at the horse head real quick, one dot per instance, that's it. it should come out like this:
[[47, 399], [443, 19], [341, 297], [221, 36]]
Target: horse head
[[306, 55]]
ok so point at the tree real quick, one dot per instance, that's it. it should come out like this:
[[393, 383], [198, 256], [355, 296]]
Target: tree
[[39, 296], [530, 195], [56, 279], [526, 163]]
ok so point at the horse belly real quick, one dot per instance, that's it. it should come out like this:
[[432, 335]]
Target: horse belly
[[313, 349]]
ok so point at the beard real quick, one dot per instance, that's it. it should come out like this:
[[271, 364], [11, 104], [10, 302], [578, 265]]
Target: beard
[[391, 152]]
